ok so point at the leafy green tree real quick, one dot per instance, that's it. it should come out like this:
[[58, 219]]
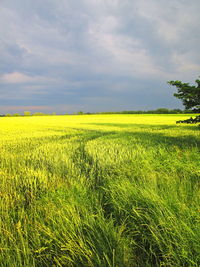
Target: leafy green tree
[[190, 96]]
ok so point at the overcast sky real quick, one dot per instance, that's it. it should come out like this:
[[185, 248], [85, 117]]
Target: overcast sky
[[96, 55]]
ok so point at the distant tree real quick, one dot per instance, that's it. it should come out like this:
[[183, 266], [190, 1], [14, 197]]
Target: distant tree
[[16, 114], [176, 111], [8, 115], [188, 111], [162, 111], [54, 113], [27, 113], [190, 96], [80, 113], [38, 114]]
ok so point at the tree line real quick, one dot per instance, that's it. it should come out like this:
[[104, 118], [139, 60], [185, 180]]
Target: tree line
[[153, 111], [27, 113]]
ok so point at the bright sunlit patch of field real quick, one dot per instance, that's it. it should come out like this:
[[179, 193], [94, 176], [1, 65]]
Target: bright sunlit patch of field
[[99, 190]]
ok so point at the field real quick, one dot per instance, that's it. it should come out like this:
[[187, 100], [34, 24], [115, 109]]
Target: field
[[99, 190]]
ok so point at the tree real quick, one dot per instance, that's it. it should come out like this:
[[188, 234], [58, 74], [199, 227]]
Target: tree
[[190, 96], [162, 111], [27, 113], [80, 113], [38, 114]]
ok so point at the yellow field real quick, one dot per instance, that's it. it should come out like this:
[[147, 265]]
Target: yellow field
[[99, 190], [48, 125]]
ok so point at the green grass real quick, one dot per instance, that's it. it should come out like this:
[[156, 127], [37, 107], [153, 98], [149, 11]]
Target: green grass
[[99, 190]]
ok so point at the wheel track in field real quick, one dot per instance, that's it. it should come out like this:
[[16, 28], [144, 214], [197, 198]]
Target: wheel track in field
[[86, 164]]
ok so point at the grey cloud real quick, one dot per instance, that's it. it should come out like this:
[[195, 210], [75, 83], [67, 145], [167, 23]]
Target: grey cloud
[[76, 51]]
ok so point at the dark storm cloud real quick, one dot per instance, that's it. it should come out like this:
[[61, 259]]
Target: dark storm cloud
[[96, 54]]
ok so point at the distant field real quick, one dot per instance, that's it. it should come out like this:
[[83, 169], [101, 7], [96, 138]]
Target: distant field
[[99, 190]]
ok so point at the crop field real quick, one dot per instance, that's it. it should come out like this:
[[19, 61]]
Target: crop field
[[99, 190]]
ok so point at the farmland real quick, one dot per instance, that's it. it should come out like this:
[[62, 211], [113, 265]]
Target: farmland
[[99, 190]]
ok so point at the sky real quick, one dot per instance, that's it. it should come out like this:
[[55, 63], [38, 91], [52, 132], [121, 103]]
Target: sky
[[96, 55]]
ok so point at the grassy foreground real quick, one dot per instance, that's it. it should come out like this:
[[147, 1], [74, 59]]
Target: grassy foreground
[[99, 190]]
